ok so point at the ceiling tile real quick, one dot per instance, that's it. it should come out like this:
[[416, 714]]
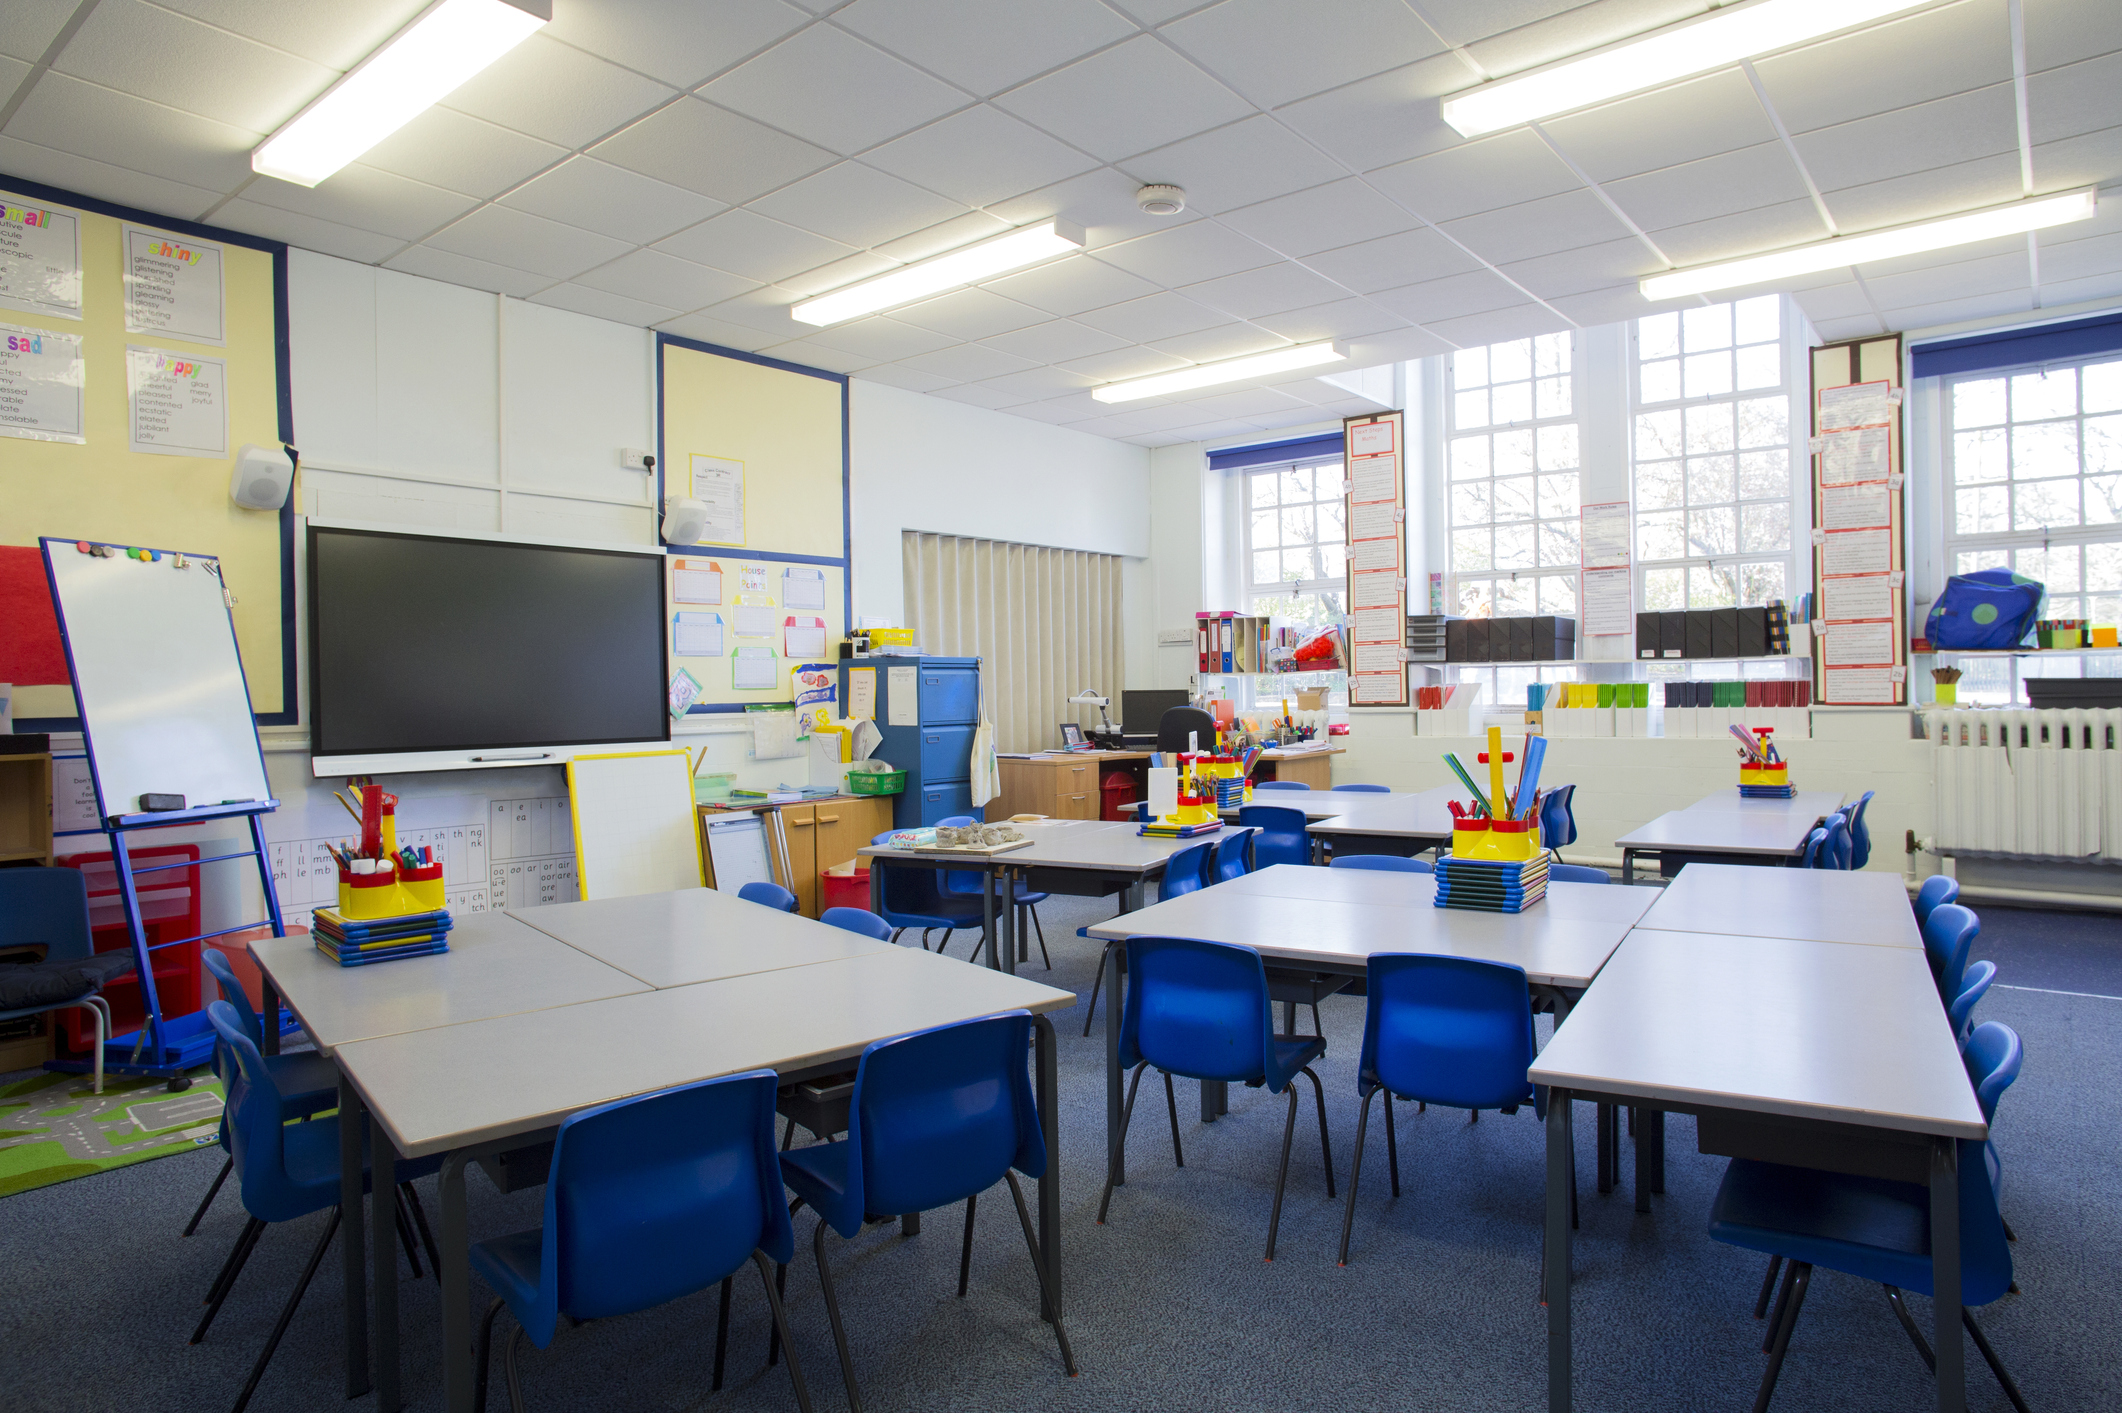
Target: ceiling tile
[[461, 153], [898, 375], [148, 52], [87, 121], [1274, 52], [980, 156], [1537, 228], [1432, 301], [1616, 305], [12, 72], [1743, 233], [1248, 403], [1059, 411], [1751, 177], [979, 396], [1178, 255], [1385, 119], [28, 27], [1342, 319], [464, 270], [1588, 268], [1953, 311], [812, 354], [1921, 195], [840, 272], [652, 277], [2098, 287], [1269, 290], [944, 235], [1156, 12], [828, 87], [1071, 285], [1856, 326], [1155, 316], [2094, 257], [1038, 383], [880, 339], [968, 362], [1324, 218], [856, 205], [666, 39], [1851, 76], [720, 332], [1124, 363], [556, 91], [1509, 35], [603, 304], [1054, 341], [2063, 31], [756, 246], [2090, 159], [714, 152], [335, 36], [307, 232], [765, 309], [1393, 261], [1237, 165], [29, 162], [1128, 99], [1101, 201], [1987, 274], [1938, 134], [1665, 127], [626, 204], [1483, 175], [970, 314], [527, 242], [2080, 98], [1223, 341], [962, 41], [1496, 325], [369, 199]]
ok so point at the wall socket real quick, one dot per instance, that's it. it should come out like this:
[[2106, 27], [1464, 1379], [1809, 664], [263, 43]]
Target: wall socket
[[633, 458], [1174, 637]]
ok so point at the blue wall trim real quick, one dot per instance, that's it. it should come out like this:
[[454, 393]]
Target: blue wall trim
[[2010, 348], [1268, 453]]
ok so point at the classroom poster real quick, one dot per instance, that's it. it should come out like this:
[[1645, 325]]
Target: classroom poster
[[41, 383], [1375, 510], [718, 483], [174, 287], [40, 258], [179, 402]]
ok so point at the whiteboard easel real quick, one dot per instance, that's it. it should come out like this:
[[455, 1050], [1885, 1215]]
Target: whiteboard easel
[[633, 818]]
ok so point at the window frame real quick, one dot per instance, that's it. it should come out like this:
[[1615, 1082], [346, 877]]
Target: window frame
[[1253, 591], [1455, 578]]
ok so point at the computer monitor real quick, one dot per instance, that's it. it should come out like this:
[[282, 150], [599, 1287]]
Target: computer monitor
[[1141, 711]]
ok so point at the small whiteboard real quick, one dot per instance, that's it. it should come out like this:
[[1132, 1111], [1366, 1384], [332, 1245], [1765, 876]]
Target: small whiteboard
[[634, 830], [157, 677], [738, 847]]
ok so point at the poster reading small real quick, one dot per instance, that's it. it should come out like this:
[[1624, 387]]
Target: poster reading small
[[40, 258]]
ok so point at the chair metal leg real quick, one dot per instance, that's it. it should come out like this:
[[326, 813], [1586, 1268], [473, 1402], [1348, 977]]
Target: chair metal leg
[[230, 1269], [1803, 1271], [1392, 1144], [1326, 1147], [508, 1370], [1171, 1105], [483, 1355], [1289, 1131], [1355, 1171], [832, 1313], [965, 1253], [1127, 1112], [1775, 1315], [788, 1136], [405, 1232], [773, 1302], [721, 1335], [1996, 1365], [227, 1166], [2009, 1234], [1908, 1326], [1040, 932], [427, 1235], [1046, 1286], [1768, 1286], [287, 1313]]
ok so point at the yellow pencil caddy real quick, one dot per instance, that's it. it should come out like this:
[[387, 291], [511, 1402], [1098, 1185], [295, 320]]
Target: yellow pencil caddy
[[1497, 840], [1768, 775], [367, 896]]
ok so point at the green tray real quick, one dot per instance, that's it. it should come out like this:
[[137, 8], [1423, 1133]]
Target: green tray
[[890, 782]]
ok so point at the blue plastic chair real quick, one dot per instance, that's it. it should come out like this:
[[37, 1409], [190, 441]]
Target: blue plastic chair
[[48, 908], [1448, 1031], [1974, 983], [938, 1117], [284, 1171], [1184, 872], [1859, 835], [860, 920], [966, 882], [1829, 845], [1936, 890], [1232, 848], [1558, 821], [1576, 873], [1948, 938], [768, 895], [648, 1200], [1201, 1010], [913, 898], [1259, 785], [1382, 863], [1281, 839], [1367, 789], [1874, 1229]]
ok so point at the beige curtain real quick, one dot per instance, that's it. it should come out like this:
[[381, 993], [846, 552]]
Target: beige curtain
[[1044, 622]]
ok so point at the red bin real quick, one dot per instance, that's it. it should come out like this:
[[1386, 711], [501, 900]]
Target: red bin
[[1118, 790], [846, 890]]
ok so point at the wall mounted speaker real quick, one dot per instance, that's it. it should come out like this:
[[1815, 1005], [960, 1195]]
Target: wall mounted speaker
[[262, 478], [684, 520]]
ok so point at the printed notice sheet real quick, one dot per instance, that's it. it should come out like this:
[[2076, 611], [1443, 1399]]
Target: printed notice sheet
[[40, 385], [1607, 603], [1377, 625], [803, 638], [1374, 521], [174, 287], [1606, 531], [1855, 405], [1376, 589], [719, 482], [903, 686], [1373, 478], [1371, 439], [695, 581], [1857, 455], [754, 621], [179, 402], [1857, 552], [1375, 554], [696, 634], [1859, 596], [802, 588], [1379, 657], [1865, 507], [754, 670], [862, 694], [40, 258], [1859, 686], [1859, 645]]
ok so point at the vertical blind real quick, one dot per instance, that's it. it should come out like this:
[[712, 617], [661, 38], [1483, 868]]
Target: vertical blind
[[1044, 622]]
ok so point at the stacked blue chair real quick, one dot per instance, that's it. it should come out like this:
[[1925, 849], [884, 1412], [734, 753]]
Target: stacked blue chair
[[1259, 785], [1201, 1010], [938, 1117], [1232, 848], [912, 899], [1859, 835], [1974, 984], [860, 920], [1281, 838], [1184, 872], [1558, 821], [284, 1171], [1828, 846], [1874, 1229], [966, 882], [1936, 890], [1382, 863], [768, 895], [1948, 938], [1577, 873], [648, 1199], [1367, 789], [1448, 1031]]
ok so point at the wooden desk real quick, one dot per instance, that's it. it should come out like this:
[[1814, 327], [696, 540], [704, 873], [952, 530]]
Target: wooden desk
[[1313, 768], [821, 833], [1061, 785]]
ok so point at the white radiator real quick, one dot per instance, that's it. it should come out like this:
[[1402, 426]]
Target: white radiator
[[2041, 784]]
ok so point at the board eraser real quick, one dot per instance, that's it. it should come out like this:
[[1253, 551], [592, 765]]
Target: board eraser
[[156, 804]]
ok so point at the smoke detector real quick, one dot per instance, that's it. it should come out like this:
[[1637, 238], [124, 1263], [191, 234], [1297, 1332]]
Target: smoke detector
[[1159, 199]]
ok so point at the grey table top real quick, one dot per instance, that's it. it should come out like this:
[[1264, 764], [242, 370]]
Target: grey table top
[[1769, 1025], [495, 966], [1717, 831], [1419, 816], [510, 1075], [1811, 904], [1321, 804], [1097, 845], [1812, 804], [1562, 941], [692, 935]]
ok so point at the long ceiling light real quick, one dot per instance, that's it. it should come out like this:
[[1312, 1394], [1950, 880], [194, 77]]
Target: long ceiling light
[[427, 60], [1863, 249], [1232, 370], [1027, 245], [1707, 42]]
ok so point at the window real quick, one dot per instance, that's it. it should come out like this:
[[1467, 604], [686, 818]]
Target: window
[[1514, 462], [1296, 544], [1712, 456]]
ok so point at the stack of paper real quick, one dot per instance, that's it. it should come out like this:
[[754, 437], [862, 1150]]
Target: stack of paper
[[1491, 886]]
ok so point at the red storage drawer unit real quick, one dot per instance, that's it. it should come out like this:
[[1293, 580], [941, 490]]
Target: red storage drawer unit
[[169, 909]]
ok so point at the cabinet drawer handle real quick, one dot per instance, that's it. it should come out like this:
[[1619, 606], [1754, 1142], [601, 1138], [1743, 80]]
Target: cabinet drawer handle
[[828, 819], [800, 823]]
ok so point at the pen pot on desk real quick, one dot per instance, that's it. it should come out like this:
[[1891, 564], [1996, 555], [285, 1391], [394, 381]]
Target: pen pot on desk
[[420, 889], [1496, 840], [1948, 693], [368, 895], [1776, 774]]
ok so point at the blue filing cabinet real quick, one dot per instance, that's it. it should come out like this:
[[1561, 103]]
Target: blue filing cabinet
[[940, 696]]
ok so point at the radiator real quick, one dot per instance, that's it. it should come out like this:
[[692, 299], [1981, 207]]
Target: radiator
[[2036, 784]]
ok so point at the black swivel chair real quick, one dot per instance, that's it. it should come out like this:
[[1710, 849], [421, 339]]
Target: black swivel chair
[[1178, 723]]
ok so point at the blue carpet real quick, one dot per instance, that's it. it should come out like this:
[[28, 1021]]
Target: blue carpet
[[1170, 1306]]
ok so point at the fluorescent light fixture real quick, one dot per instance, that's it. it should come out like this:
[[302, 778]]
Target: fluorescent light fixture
[[1231, 370], [1863, 249], [1710, 41], [423, 64], [1027, 245]]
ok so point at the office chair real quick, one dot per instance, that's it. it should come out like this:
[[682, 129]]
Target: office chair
[[860, 920], [1184, 872], [1382, 863], [1178, 723], [768, 895]]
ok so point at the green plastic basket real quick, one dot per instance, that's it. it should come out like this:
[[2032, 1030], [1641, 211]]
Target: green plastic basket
[[887, 782]]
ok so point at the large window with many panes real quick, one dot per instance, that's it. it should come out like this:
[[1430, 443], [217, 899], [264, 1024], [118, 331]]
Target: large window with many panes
[[1296, 541], [1712, 456], [1513, 449]]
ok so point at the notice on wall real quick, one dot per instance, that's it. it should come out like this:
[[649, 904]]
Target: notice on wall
[[1857, 596], [74, 796], [719, 483], [1861, 686], [1857, 552], [40, 258], [1379, 657], [1865, 507], [1605, 533], [696, 581], [1373, 478], [862, 694], [174, 287], [903, 687], [1378, 688], [756, 621], [1859, 645], [1375, 554], [1372, 438], [1607, 603], [179, 402], [696, 634], [41, 382], [1373, 522], [1849, 457], [1855, 405]]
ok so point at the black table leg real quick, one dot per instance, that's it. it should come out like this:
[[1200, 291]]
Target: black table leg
[[457, 1371], [1047, 1090], [270, 995], [1115, 1163], [353, 1255], [383, 1236], [1559, 1180], [1945, 1273]]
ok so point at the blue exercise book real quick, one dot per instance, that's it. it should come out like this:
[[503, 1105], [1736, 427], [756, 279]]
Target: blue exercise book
[[1490, 886]]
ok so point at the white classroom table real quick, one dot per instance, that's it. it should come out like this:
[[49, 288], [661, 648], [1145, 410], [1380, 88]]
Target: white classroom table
[[1841, 1057], [1401, 825], [1808, 904], [1321, 804], [692, 935], [1770, 837], [1814, 804]]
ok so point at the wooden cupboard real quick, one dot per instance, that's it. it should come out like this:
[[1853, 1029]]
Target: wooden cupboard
[[820, 833]]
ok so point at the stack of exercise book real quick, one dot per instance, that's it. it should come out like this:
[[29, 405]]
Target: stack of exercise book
[[1491, 886], [356, 942], [1785, 791], [1159, 829]]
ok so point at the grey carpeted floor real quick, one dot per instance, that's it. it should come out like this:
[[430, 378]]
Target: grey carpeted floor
[[1170, 1306]]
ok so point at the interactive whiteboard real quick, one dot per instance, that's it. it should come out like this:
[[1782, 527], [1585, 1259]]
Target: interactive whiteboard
[[634, 830]]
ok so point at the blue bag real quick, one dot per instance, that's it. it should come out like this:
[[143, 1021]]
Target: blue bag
[[1990, 608]]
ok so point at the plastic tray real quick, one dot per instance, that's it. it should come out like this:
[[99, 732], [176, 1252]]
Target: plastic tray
[[889, 782]]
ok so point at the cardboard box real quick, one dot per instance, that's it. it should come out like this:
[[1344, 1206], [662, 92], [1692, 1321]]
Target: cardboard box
[[1311, 701]]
